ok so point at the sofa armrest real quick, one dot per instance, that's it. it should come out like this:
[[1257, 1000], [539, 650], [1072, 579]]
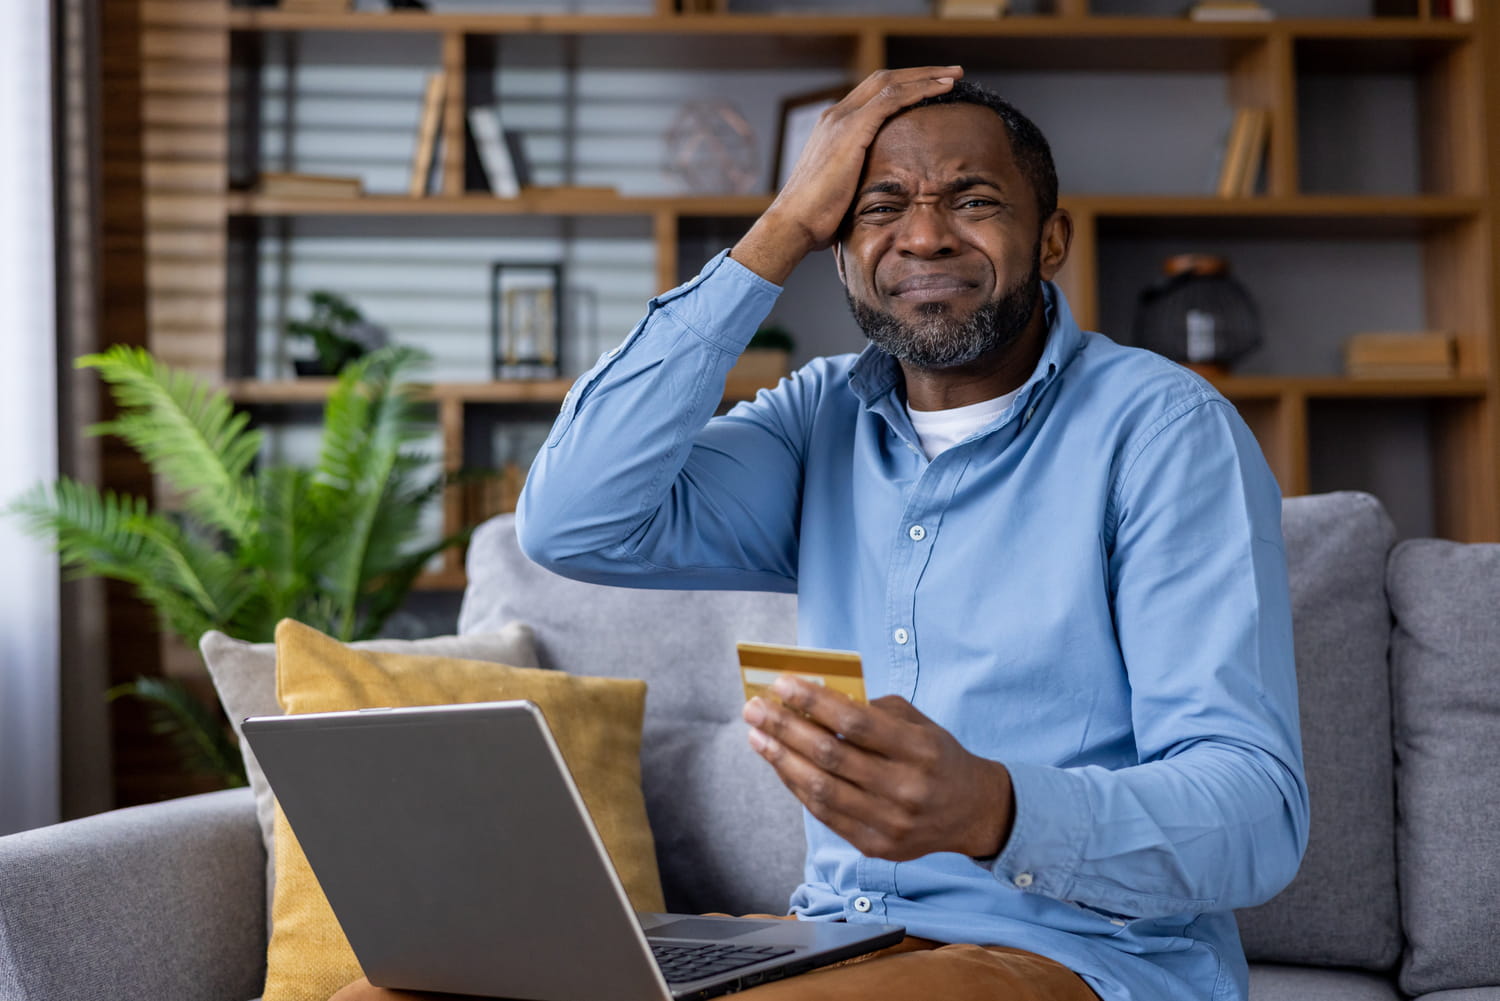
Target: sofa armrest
[[164, 902]]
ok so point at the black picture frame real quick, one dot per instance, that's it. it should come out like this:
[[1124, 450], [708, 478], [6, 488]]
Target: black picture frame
[[526, 319]]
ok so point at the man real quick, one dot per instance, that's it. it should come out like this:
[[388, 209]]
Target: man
[[1060, 560]]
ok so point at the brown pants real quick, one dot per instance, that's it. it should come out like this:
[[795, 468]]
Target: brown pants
[[915, 969]]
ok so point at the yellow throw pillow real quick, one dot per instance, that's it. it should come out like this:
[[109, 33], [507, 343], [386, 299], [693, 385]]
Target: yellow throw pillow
[[597, 723]]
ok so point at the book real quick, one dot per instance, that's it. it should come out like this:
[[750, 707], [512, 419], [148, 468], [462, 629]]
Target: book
[[427, 134], [1228, 184], [1400, 355], [1231, 163], [492, 144], [1239, 168], [308, 185], [977, 9], [1255, 150], [1229, 10], [318, 6]]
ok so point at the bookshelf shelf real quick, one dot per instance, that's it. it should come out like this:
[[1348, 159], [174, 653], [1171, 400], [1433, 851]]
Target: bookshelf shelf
[[1352, 215], [261, 392], [550, 201], [1239, 388], [851, 25]]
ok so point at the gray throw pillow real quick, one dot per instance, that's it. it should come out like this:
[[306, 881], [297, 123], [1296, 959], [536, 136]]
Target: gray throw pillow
[[1445, 667], [1341, 910], [244, 675]]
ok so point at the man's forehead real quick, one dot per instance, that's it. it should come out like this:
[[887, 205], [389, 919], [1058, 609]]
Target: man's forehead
[[942, 142]]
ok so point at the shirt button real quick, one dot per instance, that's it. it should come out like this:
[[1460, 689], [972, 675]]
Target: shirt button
[[901, 636], [1118, 922], [917, 533], [1023, 879], [862, 904]]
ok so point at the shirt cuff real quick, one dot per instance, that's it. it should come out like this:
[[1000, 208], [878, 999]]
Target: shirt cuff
[[1048, 833]]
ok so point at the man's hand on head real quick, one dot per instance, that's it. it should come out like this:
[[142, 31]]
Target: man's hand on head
[[883, 777], [808, 211]]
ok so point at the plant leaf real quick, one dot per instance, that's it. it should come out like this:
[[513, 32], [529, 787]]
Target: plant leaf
[[368, 422], [188, 433], [200, 736]]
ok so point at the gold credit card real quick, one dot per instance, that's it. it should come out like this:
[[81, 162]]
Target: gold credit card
[[763, 663]]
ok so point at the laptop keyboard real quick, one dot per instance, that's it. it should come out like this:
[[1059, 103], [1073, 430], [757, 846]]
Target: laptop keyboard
[[681, 963]]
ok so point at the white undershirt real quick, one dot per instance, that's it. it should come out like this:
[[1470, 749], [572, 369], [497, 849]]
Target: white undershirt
[[939, 430]]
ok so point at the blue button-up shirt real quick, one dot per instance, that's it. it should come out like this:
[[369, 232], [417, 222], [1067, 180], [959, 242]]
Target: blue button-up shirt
[[1096, 597]]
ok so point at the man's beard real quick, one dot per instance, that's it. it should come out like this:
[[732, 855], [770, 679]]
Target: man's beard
[[937, 339]]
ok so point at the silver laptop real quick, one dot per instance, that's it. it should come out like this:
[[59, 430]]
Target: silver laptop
[[458, 856]]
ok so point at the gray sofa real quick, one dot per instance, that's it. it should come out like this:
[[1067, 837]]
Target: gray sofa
[[1399, 659]]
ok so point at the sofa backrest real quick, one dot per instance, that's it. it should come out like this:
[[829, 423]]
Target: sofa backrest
[[1341, 909], [1445, 664], [730, 838]]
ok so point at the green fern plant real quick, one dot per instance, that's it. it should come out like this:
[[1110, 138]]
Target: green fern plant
[[333, 546]]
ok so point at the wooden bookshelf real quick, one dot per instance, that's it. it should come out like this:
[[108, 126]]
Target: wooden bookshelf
[[1262, 65], [180, 243]]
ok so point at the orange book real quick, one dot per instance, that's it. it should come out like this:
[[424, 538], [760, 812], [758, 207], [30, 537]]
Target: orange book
[[1255, 150], [427, 133], [1229, 166]]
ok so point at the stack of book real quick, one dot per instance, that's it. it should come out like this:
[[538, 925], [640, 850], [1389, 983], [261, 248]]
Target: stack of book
[[285, 185], [1248, 137], [976, 9], [318, 6], [1229, 10], [1400, 355]]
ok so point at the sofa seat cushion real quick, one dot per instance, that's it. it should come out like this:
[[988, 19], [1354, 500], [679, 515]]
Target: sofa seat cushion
[[1446, 599], [729, 835], [1341, 909], [1301, 983]]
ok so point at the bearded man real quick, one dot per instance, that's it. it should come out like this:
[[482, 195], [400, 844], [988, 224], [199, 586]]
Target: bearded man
[[1059, 558]]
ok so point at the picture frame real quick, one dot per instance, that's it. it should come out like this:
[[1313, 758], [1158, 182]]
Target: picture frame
[[799, 114], [526, 319]]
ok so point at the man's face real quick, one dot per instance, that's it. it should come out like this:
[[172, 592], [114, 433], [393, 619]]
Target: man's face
[[942, 257]]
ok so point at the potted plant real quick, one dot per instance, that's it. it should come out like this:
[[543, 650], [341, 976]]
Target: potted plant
[[334, 546], [338, 332]]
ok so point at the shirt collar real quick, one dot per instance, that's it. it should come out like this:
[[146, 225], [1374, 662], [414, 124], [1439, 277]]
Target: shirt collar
[[875, 373]]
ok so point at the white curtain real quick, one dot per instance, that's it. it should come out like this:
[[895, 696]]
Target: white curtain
[[28, 419]]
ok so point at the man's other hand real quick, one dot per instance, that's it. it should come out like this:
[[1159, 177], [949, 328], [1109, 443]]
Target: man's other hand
[[807, 212], [883, 777]]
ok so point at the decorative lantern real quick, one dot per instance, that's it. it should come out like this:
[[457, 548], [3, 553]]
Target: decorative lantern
[[1199, 315]]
